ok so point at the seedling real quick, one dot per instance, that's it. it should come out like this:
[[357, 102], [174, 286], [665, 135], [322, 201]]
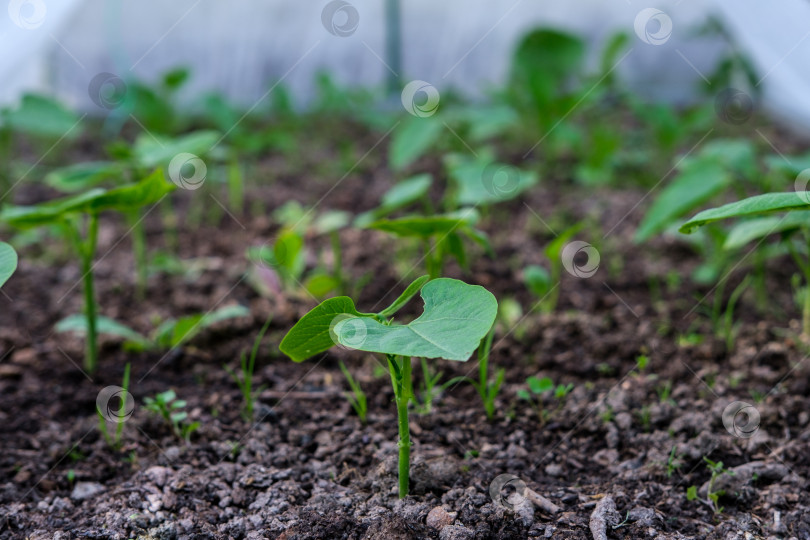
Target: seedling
[[538, 387], [761, 224], [674, 461], [441, 236], [717, 470], [8, 262], [487, 388], [430, 387], [114, 439], [357, 398], [245, 383], [169, 408], [543, 284], [79, 216], [456, 317]]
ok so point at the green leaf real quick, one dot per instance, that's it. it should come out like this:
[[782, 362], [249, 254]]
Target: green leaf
[[481, 181], [47, 212], [538, 280], [455, 319], [104, 325], [148, 191], [319, 285], [400, 195], [415, 286], [425, 227], [540, 386], [331, 221], [82, 176], [312, 334], [151, 152], [761, 204], [44, 117], [8, 262], [173, 333], [412, 138], [692, 187], [754, 229]]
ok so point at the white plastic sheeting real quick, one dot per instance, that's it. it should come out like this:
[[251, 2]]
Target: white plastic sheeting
[[776, 36], [241, 47]]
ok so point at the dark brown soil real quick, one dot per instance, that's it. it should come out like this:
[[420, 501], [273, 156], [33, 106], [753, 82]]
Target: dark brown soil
[[306, 467]]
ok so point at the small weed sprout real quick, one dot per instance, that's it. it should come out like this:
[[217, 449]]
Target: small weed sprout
[[717, 470], [247, 367], [538, 387], [357, 398], [114, 440], [169, 408]]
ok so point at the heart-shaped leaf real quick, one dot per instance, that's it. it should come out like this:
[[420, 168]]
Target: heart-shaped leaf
[[456, 317]]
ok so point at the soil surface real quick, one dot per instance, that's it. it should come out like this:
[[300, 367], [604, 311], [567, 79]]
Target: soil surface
[[622, 449]]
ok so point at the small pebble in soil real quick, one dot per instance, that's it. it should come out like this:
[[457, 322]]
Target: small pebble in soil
[[438, 518], [85, 490]]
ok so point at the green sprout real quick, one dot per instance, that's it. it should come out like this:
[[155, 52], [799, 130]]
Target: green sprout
[[79, 215], [357, 398], [247, 367], [538, 387], [456, 317], [120, 416], [169, 408]]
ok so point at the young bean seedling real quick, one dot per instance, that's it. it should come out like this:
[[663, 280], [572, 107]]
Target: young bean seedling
[[79, 215], [540, 387], [456, 317]]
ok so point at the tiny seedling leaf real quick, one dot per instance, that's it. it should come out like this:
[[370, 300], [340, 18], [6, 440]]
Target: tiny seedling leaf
[[540, 386], [104, 325], [426, 227]]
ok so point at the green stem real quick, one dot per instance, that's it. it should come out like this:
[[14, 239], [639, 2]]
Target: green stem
[[87, 253], [236, 196], [169, 216], [139, 253], [403, 390], [337, 254]]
